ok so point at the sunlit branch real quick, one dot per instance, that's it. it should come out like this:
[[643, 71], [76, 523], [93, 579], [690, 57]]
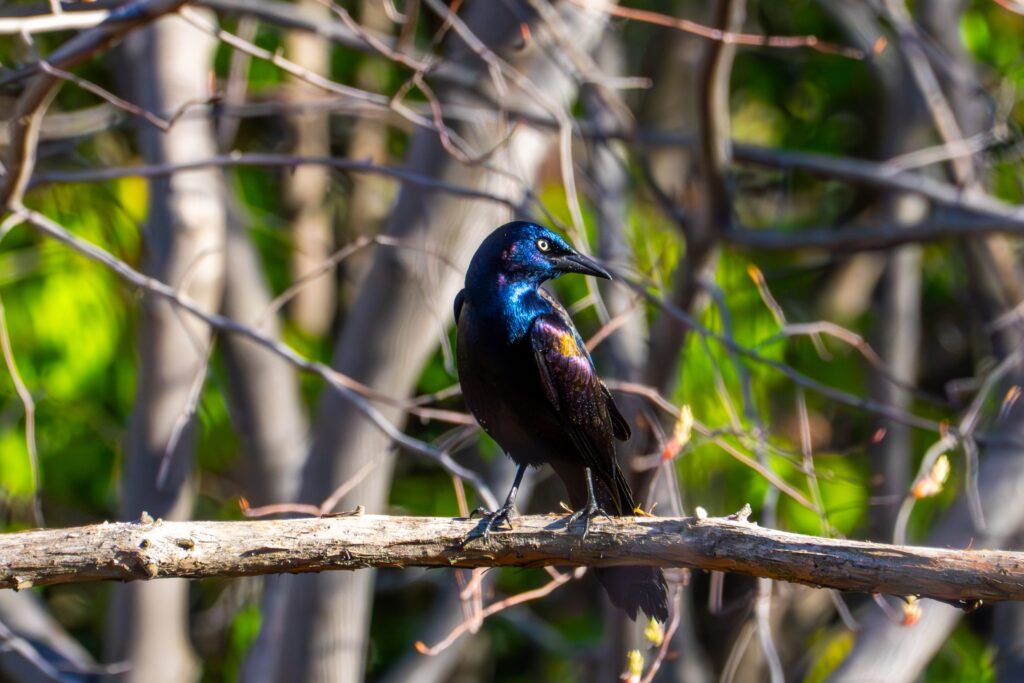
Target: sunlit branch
[[147, 549]]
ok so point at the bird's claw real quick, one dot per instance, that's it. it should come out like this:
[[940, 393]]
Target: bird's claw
[[587, 513], [494, 520]]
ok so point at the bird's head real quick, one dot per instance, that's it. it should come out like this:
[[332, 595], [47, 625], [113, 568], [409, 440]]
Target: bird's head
[[529, 253]]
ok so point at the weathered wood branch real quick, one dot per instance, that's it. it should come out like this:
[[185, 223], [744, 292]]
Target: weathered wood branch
[[147, 550]]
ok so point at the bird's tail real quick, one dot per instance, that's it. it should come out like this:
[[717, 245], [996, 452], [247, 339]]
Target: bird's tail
[[634, 589], [638, 588], [631, 588]]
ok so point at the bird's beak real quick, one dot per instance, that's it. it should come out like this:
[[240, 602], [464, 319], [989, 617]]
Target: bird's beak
[[578, 263]]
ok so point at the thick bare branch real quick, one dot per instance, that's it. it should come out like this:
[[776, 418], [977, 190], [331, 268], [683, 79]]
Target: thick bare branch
[[146, 550], [874, 238]]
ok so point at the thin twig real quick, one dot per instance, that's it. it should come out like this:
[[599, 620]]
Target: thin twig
[[26, 119], [48, 23], [494, 608], [271, 160], [29, 407], [717, 34], [320, 510]]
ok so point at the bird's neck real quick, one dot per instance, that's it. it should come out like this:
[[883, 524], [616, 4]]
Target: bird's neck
[[517, 303]]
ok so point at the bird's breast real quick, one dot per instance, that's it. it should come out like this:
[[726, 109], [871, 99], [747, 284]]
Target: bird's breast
[[501, 387]]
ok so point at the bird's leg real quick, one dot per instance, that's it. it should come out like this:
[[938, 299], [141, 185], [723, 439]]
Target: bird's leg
[[502, 515], [588, 511]]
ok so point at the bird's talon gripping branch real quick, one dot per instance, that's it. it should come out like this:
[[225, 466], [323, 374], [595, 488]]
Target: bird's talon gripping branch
[[587, 514], [590, 510], [502, 515]]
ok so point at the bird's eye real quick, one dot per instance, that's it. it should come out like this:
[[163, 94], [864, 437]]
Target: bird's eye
[[543, 244]]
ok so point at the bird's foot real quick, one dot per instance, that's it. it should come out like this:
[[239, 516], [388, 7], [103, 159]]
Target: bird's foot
[[587, 513], [494, 520]]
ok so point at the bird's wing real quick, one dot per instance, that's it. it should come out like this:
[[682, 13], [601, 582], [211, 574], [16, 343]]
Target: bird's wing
[[580, 398], [620, 427], [460, 299]]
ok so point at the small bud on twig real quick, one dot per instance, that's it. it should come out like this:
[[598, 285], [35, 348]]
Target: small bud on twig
[[932, 483], [681, 434], [654, 633], [634, 667]]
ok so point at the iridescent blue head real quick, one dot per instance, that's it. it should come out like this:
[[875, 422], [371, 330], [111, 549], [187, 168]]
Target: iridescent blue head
[[527, 252], [513, 262]]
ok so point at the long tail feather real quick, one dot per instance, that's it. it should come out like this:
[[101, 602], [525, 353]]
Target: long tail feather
[[634, 589]]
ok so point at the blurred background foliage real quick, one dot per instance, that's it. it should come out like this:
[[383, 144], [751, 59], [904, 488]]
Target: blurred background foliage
[[73, 330]]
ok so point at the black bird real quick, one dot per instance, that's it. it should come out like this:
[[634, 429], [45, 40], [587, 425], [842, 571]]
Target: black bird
[[531, 384]]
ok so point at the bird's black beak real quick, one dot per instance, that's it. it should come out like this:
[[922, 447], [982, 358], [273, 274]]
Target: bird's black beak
[[578, 263]]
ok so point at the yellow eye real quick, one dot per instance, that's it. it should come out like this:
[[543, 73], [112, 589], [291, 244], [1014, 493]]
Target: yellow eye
[[543, 244]]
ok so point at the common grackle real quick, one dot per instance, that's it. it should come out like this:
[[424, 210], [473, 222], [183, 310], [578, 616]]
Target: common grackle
[[531, 384]]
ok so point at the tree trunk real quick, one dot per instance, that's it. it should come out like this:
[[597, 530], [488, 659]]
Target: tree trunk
[[371, 196], [170, 64], [305, 187], [447, 611], [401, 312], [890, 650], [905, 127], [263, 388]]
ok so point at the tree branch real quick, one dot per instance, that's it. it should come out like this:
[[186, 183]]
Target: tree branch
[[148, 549], [28, 112]]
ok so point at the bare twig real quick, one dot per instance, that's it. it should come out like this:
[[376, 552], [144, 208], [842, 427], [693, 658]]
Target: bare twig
[[724, 36], [121, 103], [321, 510], [46, 23], [274, 160], [30, 664], [666, 641], [500, 605], [29, 406]]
